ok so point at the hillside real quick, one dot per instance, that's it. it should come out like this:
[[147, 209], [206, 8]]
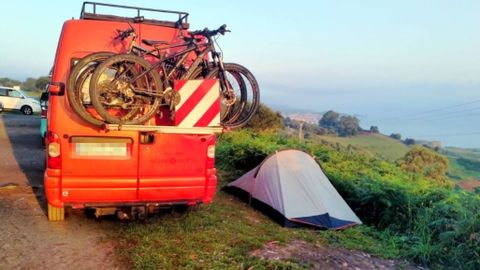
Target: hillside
[[462, 152], [380, 145], [464, 163], [434, 224]]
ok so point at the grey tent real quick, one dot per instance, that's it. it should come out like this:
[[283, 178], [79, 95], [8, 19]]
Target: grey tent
[[291, 185]]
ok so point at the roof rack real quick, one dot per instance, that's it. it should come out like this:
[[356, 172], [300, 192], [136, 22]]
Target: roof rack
[[92, 14]]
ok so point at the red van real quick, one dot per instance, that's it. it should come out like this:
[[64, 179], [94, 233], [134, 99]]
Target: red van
[[129, 171]]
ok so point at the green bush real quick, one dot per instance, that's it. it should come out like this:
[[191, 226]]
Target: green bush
[[439, 226]]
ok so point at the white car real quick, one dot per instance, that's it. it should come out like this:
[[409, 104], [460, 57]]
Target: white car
[[15, 99]]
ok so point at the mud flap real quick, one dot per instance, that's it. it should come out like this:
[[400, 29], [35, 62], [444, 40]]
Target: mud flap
[[55, 213]]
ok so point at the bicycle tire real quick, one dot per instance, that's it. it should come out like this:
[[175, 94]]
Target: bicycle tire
[[238, 116], [150, 80], [73, 91], [84, 80]]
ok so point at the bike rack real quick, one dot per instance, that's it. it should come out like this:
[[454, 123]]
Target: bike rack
[[181, 22], [165, 129]]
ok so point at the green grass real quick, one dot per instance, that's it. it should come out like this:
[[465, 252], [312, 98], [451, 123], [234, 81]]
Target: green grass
[[464, 163], [380, 145], [34, 94], [459, 171], [469, 153], [221, 236]]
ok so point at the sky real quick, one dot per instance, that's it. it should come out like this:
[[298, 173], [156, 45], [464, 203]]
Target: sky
[[410, 67]]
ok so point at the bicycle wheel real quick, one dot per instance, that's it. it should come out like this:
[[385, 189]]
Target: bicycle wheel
[[123, 84], [241, 82], [83, 83], [77, 86]]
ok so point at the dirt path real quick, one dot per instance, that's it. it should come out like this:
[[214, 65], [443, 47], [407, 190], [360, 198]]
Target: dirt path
[[27, 239], [320, 257]]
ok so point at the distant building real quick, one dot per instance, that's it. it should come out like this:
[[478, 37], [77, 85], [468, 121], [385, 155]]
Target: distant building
[[311, 118], [430, 144]]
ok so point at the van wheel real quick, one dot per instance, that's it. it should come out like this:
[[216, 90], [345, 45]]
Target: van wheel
[[55, 213], [27, 110]]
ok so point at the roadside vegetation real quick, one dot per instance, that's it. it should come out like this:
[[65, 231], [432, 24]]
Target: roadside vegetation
[[31, 86], [409, 213], [433, 223]]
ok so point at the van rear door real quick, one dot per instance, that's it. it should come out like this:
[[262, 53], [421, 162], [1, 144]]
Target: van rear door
[[100, 169], [172, 167]]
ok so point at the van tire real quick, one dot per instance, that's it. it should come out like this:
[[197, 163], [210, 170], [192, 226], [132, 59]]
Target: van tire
[[27, 110], [55, 213]]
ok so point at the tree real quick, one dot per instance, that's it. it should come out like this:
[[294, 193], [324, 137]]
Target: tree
[[426, 162], [348, 126], [7, 82], [265, 119], [291, 123], [329, 120], [396, 136], [29, 84], [374, 129], [409, 141], [42, 82]]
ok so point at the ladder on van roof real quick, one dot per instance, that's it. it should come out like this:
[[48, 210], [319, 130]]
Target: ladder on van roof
[[90, 11]]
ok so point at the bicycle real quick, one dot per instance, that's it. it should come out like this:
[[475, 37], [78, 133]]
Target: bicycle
[[77, 88], [111, 83], [79, 80]]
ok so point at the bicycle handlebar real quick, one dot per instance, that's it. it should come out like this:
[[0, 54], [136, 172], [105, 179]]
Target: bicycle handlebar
[[123, 34], [210, 33]]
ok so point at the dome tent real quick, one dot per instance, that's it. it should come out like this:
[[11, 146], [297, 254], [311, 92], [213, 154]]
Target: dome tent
[[292, 187]]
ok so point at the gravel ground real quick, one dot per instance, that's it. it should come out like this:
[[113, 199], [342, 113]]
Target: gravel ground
[[27, 239], [320, 257]]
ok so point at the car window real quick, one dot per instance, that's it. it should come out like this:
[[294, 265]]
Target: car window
[[3, 92], [13, 93]]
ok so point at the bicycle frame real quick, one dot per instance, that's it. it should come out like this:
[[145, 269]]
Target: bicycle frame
[[202, 50], [191, 46]]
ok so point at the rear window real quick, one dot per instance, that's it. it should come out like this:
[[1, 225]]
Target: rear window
[[3, 92], [14, 93], [44, 96]]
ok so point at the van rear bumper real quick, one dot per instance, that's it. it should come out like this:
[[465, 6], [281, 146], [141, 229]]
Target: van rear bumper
[[52, 185], [56, 196]]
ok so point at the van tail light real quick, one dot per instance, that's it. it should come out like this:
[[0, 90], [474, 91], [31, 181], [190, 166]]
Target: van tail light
[[211, 172], [56, 88], [211, 151], [53, 151], [211, 154], [43, 113]]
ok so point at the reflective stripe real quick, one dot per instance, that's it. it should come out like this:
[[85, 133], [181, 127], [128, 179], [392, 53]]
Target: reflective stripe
[[201, 107]]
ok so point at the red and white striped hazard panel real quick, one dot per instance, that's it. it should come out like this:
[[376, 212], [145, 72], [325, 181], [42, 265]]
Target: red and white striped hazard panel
[[199, 104]]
